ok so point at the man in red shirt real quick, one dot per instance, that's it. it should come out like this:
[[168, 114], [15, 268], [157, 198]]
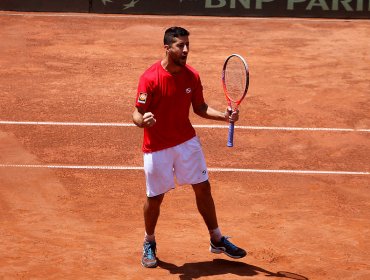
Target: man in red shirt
[[171, 148]]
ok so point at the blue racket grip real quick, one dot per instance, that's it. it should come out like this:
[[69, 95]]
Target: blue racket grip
[[230, 138]]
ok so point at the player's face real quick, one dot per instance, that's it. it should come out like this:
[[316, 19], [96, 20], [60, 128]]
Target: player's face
[[178, 51]]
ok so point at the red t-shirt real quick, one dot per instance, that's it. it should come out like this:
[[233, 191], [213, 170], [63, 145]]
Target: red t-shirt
[[168, 97]]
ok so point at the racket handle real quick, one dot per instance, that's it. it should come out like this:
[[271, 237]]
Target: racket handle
[[230, 138]]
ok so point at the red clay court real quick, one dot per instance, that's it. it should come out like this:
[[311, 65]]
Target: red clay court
[[294, 191]]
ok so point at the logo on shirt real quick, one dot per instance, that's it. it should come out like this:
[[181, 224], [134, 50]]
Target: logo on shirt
[[188, 90], [142, 97]]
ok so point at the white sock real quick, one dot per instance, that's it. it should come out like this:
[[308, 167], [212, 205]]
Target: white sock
[[149, 238], [215, 234]]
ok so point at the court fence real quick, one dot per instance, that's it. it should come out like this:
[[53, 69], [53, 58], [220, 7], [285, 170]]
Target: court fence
[[350, 9]]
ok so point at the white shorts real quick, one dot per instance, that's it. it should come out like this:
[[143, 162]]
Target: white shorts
[[185, 162]]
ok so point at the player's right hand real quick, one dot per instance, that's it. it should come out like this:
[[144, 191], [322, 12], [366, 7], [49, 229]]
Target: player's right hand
[[148, 119]]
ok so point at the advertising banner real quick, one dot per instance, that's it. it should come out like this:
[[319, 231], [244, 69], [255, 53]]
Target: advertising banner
[[240, 8]]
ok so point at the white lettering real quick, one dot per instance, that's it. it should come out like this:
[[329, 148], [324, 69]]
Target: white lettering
[[246, 4], [360, 5], [259, 3], [335, 5], [325, 5], [221, 3], [291, 3], [321, 3]]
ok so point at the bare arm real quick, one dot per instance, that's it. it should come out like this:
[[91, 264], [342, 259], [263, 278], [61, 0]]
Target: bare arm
[[143, 119], [207, 112]]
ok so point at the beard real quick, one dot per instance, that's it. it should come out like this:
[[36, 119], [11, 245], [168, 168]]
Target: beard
[[179, 60]]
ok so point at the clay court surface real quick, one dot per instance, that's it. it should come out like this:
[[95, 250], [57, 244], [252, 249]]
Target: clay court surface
[[67, 89]]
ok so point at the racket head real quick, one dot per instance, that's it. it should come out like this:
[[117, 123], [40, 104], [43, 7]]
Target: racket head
[[235, 79]]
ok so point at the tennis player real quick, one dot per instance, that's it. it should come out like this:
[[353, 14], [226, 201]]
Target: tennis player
[[171, 148]]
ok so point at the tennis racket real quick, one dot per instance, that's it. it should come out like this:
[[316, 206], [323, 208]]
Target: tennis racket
[[235, 82]]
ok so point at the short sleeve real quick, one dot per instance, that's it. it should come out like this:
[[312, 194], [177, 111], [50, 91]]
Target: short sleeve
[[144, 93]]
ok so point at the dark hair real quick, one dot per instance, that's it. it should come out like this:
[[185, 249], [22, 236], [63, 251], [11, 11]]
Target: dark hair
[[174, 32]]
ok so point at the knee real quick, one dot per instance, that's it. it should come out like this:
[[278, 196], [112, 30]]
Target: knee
[[202, 189], [154, 201]]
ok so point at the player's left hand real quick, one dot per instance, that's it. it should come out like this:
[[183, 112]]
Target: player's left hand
[[231, 115]]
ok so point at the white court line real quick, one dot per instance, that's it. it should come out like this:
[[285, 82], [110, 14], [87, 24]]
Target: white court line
[[197, 126], [107, 167], [66, 123]]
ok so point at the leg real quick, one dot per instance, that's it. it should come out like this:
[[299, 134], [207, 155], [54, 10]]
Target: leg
[[151, 212], [205, 204], [158, 169], [207, 209]]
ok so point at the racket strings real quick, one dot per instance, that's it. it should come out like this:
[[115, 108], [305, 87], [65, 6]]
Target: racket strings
[[235, 78]]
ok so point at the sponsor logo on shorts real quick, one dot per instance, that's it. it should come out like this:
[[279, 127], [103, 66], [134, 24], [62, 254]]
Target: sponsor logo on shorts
[[204, 172], [188, 90], [142, 97]]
